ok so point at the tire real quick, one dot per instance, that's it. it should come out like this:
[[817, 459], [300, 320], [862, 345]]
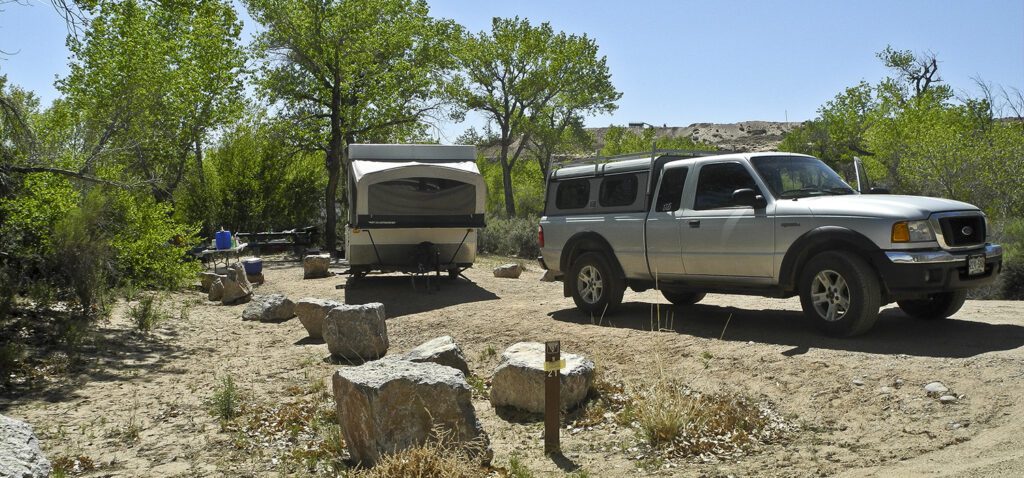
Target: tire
[[454, 273], [841, 293], [596, 289], [682, 297], [935, 306]]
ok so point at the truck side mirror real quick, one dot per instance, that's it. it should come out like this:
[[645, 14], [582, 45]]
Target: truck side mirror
[[748, 197]]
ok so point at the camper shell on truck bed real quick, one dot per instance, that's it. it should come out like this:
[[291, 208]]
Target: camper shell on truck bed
[[413, 208]]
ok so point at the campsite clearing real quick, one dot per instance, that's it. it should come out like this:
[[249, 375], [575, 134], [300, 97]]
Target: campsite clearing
[[858, 406]]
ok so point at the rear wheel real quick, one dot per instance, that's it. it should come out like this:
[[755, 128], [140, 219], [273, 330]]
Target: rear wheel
[[595, 288], [840, 292], [682, 297], [935, 306]]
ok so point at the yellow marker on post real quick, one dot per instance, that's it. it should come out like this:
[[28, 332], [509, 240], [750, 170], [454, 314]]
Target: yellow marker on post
[[553, 366]]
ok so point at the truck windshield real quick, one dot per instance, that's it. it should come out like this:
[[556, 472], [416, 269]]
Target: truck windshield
[[790, 177]]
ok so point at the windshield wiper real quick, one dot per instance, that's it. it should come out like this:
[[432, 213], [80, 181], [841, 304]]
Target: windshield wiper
[[840, 191], [800, 193]]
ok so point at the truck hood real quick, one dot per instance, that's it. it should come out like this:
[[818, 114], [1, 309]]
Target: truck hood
[[881, 205]]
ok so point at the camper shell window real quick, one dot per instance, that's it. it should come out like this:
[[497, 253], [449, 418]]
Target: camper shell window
[[618, 190], [573, 194]]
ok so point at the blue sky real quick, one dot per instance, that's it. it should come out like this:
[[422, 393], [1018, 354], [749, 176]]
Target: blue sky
[[681, 62]]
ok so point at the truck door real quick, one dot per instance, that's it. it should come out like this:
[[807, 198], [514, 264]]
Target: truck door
[[664, 223], [720, 237]]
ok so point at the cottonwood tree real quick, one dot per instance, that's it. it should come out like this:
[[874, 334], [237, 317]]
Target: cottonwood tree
[[150, 82], [347, 71], [529, 80]]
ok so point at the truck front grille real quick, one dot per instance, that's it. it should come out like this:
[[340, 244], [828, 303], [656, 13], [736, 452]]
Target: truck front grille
[[963, 231]]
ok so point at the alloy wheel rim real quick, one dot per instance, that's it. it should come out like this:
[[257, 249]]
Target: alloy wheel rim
[[589, 284], [830, 295]]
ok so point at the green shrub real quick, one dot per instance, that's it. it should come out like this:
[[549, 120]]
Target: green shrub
[[1012, 280], [150, 246], [510, 237], [226, 399], [147, 314]]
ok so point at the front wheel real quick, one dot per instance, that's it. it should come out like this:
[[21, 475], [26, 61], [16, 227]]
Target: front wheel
[[935, 306], [840, 292], [595, 287]]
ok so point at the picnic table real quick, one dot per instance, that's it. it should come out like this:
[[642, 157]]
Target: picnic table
[[218, 255], [297, 239]]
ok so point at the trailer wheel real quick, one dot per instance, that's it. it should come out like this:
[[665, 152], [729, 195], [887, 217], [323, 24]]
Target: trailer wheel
[[595, 288]]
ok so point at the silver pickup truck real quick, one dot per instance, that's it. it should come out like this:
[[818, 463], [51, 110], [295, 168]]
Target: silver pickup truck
[[768, 224]]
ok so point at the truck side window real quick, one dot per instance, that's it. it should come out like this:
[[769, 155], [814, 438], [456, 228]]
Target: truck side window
[[573, 194], [618, 190], [717, 183], [671, 193]]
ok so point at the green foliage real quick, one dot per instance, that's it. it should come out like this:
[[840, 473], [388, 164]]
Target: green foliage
[[147, 314], [226, 399], [515, 236], [916, 138], [150, 246], [533, 84], [529, 185], [619, 140], [518, 469], [253, 181], [350, 72]]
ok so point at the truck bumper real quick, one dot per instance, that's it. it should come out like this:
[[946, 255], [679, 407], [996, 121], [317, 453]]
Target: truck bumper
[[915, 273]]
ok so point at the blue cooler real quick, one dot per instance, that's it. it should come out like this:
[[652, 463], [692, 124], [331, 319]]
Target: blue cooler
[[253, 265]]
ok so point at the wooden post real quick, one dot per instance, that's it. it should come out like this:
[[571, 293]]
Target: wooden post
[[552, 395]]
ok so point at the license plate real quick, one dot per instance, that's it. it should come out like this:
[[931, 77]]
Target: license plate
[[976, 265]]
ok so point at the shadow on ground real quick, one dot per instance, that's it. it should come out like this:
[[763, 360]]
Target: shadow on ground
[[53, 371], [894, 333], [403, 295]]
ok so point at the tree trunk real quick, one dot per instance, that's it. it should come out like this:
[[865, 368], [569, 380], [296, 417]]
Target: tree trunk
[[333, 163], [199, 162], [506, 181]]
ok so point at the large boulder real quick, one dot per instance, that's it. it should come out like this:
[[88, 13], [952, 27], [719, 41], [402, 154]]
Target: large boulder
[[442, 351], [20, 455], [391, 405], [315, 266], [312, 311], [216, 290], [518, 381], [237, 288], [269, 308], [356, 332], [508, 271]]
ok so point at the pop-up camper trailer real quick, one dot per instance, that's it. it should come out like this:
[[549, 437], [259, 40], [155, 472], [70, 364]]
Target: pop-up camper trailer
[[413, 208]]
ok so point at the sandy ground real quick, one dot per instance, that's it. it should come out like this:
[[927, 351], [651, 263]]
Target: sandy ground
[[858, 405]]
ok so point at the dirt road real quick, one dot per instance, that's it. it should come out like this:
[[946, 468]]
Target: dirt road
[[858, 405]]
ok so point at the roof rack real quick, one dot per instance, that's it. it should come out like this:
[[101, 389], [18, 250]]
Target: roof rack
[[691, 153]]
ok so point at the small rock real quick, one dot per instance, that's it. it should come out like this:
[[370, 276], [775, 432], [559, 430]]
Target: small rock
[[518, 380], [269, 308], [315, 266], [549, 276], [255, 278], [356, 332], [858, 382], [312, 311], [508, 271], [885, 390], [20, 455], [237, 288], [207, 279], [947, 399], [897, 383], [216, 290], [442, 351], [935, 389]]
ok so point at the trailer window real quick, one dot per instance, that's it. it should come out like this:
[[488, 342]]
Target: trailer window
[[618, 190], [573, 194], [421, 197]]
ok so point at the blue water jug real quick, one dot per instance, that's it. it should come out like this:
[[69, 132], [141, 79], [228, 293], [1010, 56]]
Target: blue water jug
[[223, 239]]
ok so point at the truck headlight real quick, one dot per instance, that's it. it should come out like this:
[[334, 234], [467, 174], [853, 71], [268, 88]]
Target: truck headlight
[[912, 231]]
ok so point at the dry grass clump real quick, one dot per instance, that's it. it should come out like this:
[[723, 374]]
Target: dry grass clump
[[680, 422], [440, 457]]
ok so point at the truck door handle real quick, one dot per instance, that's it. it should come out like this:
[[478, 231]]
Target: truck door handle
[[694, 223]]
